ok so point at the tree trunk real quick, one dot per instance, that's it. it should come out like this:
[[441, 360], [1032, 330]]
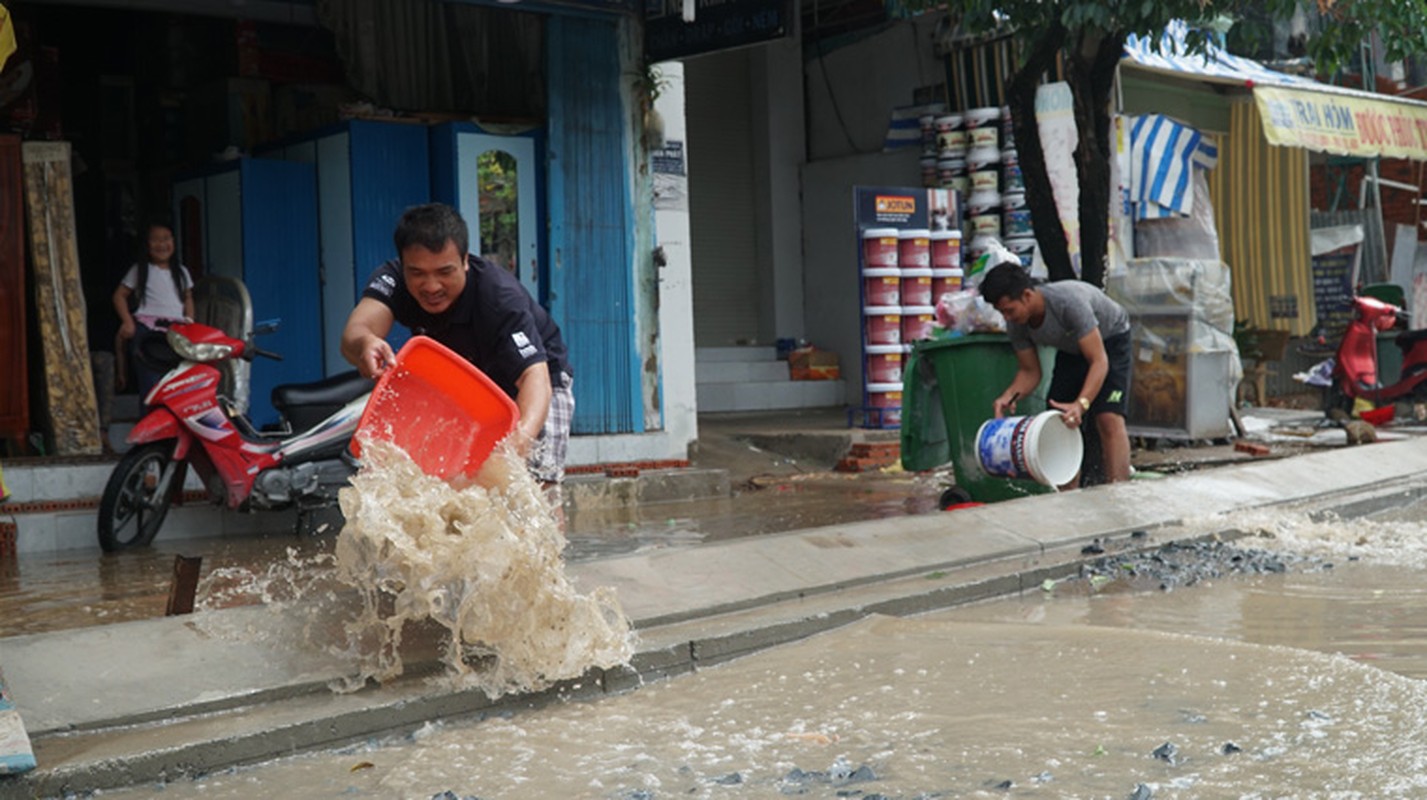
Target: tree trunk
[[1021, 93], [1090, 70]]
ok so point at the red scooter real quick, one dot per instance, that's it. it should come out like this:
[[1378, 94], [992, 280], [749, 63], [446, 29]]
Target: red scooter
[[1355, 367], [304, 463]]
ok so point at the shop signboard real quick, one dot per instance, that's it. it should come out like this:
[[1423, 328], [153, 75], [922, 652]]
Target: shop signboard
[[715, 25], [1342, 123], [1336, 253]]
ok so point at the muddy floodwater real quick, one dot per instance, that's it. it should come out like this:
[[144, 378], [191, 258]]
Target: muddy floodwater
[[44, 592], [1302, 684]]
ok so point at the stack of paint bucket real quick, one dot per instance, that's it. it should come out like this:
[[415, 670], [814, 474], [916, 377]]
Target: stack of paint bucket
[[983, 162], [950, 153], [881, 323], [927, 122], [1016, 229], [915, 257], [946, 263]]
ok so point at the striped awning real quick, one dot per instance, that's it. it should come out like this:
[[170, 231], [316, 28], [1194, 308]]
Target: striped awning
[[1296, 111]]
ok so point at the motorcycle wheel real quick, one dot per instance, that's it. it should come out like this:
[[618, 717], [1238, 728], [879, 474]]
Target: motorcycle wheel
[[131, 510]]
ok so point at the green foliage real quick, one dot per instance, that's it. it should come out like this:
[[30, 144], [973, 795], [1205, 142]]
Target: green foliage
[[1090, 36], [1343, 27], [500, 209]]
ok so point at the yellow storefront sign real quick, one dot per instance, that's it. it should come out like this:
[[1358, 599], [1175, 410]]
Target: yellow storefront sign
[[1343, 124]]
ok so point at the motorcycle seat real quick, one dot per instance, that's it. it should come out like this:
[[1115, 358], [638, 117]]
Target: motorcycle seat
[[1406, 339], [333, 392]]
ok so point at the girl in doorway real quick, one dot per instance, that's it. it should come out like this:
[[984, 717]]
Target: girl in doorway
[[155, 293]]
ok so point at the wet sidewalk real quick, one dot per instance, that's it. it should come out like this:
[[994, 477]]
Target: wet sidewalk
[[155, 699]]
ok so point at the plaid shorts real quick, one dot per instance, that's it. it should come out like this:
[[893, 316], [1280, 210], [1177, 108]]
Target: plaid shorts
[[547, 459]]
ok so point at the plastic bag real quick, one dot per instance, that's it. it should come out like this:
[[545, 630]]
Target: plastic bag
[[966, 311], [996, 254]]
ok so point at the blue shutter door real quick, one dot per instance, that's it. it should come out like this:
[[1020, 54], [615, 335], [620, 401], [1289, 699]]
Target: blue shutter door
[[279, 230], [591, 224]]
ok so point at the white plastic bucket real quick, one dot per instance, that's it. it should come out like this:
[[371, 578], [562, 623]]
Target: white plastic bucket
[[951, 144], [1041, 447], [987, 115], [979, 158], [986, 136], [986, 224]]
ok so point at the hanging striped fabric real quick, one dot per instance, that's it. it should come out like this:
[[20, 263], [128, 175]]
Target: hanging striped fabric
[[1163, 154], [905, 128]]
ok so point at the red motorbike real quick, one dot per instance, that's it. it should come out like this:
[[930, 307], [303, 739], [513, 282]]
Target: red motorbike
[[303, 463], [1355, 367]]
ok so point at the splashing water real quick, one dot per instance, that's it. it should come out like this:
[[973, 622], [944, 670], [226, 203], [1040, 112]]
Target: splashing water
[[1397, 542], [482, 561]]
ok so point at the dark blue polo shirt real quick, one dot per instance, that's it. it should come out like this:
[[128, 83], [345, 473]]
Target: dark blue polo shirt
[[495, 323]]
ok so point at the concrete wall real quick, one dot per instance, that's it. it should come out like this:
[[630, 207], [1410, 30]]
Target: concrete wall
[[830, 249], [779, 153], [851, 91]]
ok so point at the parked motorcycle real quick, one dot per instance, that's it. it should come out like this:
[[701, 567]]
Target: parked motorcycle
[[1355, 366], [303, 463]]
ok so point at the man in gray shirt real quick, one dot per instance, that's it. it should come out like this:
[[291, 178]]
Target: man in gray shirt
[[1091, 336]]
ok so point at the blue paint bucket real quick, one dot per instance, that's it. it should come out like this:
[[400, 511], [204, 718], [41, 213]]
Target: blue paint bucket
[[1041, 448]]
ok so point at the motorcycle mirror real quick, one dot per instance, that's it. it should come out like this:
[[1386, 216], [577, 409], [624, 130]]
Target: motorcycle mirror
[[266, 326]]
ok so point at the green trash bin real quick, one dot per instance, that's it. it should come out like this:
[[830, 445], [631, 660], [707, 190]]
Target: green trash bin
[[948, 389]]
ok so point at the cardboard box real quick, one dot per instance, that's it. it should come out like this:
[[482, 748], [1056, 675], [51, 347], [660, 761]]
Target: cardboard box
[[810, 364]]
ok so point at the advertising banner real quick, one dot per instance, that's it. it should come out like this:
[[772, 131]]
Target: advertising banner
[[1342, 124]]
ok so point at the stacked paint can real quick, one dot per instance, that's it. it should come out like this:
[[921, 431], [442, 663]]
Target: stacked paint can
[[884, 250], [951, 143], [946, 264], [930, 146], [916, 285], [1016, 231], [881, 286], [916, 269], [983, 161]]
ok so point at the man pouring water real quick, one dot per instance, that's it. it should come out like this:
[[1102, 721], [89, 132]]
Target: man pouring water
[[437, 288], [1091, 336]]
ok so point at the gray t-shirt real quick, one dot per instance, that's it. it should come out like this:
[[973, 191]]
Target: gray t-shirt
[[1072, 309]]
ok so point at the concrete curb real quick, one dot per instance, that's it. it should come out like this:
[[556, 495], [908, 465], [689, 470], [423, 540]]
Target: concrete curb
[[208, 704]]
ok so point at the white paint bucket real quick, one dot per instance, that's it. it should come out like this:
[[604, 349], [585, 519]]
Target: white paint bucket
[[1041, 447]]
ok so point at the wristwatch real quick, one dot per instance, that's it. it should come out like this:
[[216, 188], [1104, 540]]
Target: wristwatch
[[1084, 403]]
